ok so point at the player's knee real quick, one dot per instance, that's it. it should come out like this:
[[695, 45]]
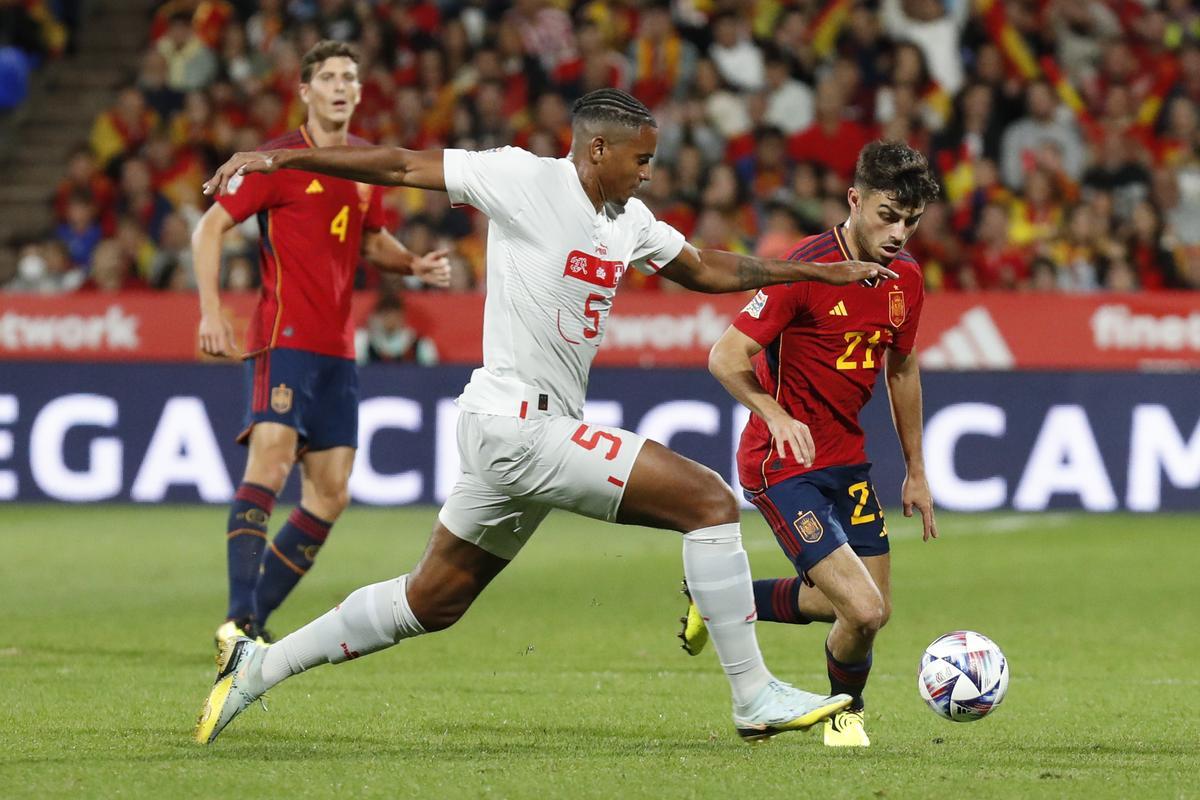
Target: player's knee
[[713, 503], [866, 619]]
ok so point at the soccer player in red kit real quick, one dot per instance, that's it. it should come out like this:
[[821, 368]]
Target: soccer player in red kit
[[804, 358], [300, 368]]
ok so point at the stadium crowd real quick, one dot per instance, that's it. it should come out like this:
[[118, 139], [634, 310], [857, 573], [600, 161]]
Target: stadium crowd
[[1066, 132], [31, 32]]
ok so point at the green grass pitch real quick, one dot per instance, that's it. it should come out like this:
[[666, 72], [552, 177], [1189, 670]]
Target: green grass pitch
[[566, 679]]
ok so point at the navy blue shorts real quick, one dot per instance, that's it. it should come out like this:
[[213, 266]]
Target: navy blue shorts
[[315, 394], [815, 513]]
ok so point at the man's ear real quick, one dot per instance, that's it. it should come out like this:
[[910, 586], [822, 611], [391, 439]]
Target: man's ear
[[597, 149]]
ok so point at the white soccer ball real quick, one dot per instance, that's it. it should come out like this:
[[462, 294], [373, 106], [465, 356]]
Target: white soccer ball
[[963, 676]]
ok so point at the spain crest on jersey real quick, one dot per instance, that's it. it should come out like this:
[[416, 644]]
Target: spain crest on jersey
[[809, 527], [281, 399], [896, 309]]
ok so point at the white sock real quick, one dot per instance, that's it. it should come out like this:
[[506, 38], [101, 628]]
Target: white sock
[[370, 619], [718, 576]]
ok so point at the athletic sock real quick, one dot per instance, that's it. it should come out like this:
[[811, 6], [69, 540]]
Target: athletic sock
[[287, 559], [245, 539], [778, 600], [718, 577], [848, 677], [371, 618]]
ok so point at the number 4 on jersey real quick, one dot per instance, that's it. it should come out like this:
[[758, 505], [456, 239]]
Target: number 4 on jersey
[[340, 223]]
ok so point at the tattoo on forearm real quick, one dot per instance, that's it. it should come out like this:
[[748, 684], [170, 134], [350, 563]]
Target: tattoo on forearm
[[751, 273]]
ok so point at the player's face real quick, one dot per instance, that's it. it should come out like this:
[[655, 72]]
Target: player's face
[[881, 226], [624, 163], [334, 90]]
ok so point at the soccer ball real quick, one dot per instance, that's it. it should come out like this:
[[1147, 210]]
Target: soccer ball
[[963, 676]]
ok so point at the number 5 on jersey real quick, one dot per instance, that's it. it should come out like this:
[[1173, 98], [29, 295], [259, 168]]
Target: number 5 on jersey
[[590, 441]]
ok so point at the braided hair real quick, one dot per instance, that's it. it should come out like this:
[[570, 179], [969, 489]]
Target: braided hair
[[611, 106]]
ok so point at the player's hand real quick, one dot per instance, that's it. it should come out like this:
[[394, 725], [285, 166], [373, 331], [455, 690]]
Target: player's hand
[[793, 438], [915, 494], [241, 164], [844, 273], [433, 268], [216, 336]]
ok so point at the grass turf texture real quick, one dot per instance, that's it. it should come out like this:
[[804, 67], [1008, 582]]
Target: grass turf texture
[[566, 679]]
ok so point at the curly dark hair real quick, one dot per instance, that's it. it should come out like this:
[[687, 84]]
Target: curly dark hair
[[897, 170]]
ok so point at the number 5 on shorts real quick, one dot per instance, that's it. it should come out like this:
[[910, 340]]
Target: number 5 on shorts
[[594, 439]]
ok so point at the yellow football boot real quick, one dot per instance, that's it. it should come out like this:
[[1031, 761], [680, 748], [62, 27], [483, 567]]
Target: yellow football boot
[[694, 633], [845, 729]]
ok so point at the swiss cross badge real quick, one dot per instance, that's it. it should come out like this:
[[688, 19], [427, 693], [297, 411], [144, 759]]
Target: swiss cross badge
[[281, 399], [896, 310]]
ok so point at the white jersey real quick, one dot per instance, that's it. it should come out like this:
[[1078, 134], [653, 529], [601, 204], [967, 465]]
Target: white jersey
[[553, 267]]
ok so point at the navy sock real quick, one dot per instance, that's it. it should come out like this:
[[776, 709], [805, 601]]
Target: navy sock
[[848, 677], [778, 600], [245, 539], [287, 559]]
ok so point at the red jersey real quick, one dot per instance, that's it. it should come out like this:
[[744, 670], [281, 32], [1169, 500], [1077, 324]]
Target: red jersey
[[309, 250], [823, 350]]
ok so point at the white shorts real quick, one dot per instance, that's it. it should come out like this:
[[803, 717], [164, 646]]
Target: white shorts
[[515, 470]]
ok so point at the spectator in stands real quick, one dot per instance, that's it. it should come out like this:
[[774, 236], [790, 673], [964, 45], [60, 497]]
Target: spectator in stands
[[172, 266], [1043, 122], [139, 199], [80, 231], [152, 81], [390, 337], [123, 128], [83, 177], [936, 28], [662, 63], [994, 262], [111, 271], [734, 53], [832, 140], [1148, 250], [789, 101], [190, 63], [45, 268]]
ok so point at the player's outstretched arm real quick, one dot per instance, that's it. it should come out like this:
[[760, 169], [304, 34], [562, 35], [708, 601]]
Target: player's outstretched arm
[[717, 271], [904, 392], [216, 332], [388, 253], [729, 362], [384, 166]]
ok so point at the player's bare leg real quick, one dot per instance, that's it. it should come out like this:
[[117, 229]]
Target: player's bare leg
[[845, 582], [272, 449], [666, 490], [815, 606], [290, 555]]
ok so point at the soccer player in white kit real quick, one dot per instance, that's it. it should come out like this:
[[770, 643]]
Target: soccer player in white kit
[[562, 232]]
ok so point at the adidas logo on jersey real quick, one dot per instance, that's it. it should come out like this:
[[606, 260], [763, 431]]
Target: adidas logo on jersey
[[839, 310], [315, 187], [973, 343]]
